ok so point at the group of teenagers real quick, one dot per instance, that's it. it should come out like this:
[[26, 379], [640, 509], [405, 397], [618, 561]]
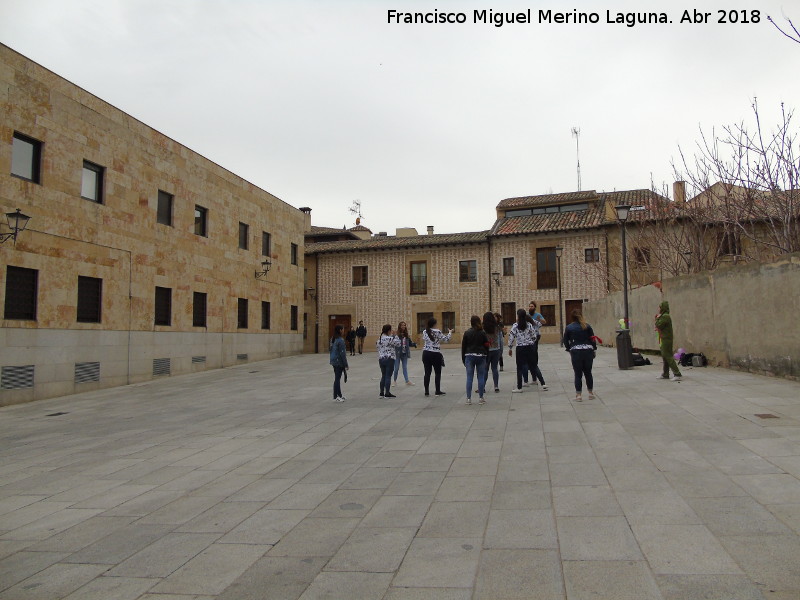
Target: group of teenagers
[[482, 347]]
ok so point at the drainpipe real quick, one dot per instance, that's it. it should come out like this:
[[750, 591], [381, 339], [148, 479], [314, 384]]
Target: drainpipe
[[489, 271]]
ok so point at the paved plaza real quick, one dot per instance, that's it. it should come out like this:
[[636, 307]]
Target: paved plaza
[[250, 483]]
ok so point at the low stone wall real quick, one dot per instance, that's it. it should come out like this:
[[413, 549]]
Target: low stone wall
[[741, 316]]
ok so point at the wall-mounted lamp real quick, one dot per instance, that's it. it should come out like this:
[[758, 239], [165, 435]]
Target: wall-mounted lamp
[[265, 269], [496, 277], [312, 293], [17, 222]]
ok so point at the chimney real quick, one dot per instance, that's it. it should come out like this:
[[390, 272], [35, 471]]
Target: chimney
[[430, 229], [307, 212], [679, 191]]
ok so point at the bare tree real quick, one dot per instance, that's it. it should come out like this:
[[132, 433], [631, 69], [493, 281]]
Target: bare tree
[[746, 182], [795, 37]]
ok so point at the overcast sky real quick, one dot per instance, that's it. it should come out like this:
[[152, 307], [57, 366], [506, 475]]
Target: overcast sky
[[324, 102]]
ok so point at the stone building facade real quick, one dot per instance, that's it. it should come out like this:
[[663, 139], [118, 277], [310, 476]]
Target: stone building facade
[[140, 257], [553, 249]]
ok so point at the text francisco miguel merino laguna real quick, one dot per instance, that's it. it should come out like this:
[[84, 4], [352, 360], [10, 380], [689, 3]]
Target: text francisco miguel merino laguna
[[629, 19]]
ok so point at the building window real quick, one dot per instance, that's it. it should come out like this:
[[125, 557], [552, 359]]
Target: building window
[[467, 270], [422, 321], [244, 232], [266, 244], [508, 312], [90, 299], [21, 291], [419, 277], [305, 326], [164, 211], [293, 323], [294, 254], [541, 210], [241, 315], [92, 182], [641, 256], [448, 321], [591, 255], [549, 313], [265, 315], [729, 244], [360, 276], [546, 275], [508, 266], [200, 221], [163, 312], [26, 158], [199, 305]]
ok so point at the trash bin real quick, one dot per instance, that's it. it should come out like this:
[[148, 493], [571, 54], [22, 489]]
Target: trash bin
[[624, 349]]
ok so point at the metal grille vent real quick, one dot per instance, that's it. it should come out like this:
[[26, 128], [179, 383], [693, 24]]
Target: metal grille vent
[[198, 359], [87, 371], [161, 366], [241, 357], [16, 378]]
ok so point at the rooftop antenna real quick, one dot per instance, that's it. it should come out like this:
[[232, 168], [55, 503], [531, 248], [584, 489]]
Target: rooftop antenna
[[577, 133], [356, 210]]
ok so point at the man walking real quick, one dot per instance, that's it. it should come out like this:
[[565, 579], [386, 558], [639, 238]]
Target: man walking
[[361, 333]]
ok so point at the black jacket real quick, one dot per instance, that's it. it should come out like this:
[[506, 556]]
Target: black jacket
[[475, 341]]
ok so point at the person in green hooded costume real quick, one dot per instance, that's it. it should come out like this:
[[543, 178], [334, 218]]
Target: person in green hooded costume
[[664, 328]]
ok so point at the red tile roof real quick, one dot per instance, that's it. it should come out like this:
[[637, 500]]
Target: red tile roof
[[548, 199], [594, 216]]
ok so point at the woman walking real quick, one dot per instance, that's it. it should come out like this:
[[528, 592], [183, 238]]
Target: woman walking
[[495, 353], [386, 344], [474, 349], [523, 335], [338, 360], [432, 358], [403, 351], [578, 341]]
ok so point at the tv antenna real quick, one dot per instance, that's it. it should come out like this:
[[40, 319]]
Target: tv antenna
[[356, 210], [577, 133]]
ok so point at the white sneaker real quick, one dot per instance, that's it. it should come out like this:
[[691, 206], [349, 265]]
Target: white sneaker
[[341, 399], [516, 391], [544, 388], [677, 377], [526, 384], [410, 383]]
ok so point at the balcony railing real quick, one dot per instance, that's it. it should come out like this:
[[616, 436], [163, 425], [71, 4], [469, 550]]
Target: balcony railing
[[419, 284]]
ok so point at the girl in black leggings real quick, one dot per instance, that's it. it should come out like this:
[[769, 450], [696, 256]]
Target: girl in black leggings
[[432, 355]]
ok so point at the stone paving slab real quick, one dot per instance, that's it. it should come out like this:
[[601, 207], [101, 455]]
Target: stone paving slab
[[250, 483]]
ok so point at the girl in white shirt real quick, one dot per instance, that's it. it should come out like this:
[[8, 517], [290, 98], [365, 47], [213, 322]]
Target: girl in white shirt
[[386, 344], [432, 358]]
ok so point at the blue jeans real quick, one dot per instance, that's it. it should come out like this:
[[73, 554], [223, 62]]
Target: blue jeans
[[492, 360], [401, 359], [387, 366], [582, 365], [337, 381], [475, 363]]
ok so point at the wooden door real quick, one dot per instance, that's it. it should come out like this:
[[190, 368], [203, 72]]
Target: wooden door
[[334, 320], [569, 306]]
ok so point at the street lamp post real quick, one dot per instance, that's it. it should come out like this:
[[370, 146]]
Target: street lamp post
[[559, 252], [624, 347]]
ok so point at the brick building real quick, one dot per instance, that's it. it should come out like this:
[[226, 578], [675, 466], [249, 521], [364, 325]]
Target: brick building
[[380, 280], [140, 257]]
